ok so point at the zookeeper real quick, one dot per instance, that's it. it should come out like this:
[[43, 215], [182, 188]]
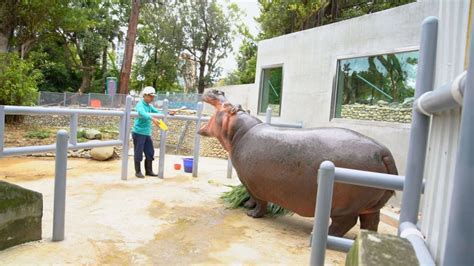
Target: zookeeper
[[142, 130]]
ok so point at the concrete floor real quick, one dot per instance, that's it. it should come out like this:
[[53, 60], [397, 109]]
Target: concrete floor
[[177, 220]]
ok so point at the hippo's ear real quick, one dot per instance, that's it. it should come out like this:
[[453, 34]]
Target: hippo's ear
[[233, 109]]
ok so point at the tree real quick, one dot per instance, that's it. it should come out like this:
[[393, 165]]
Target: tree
[[278, 17], [129, 46], [7, 23], [161, 37], [86, 28], [18, 80], [24, 23], [246, 60], [208, 35]]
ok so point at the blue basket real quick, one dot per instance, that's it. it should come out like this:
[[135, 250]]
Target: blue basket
[[188, 165]]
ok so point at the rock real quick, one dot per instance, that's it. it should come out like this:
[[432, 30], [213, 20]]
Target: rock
[[21, 211], [408, 102], [382, 103], [394, 105], [102, 153], [371, 248], [92, 134]]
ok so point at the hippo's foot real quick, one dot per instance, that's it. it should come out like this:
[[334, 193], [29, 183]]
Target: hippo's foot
[[259, 210], [340, 225], [370, 221], [250, 203]]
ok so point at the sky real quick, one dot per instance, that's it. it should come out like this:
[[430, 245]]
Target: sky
[[250, 7]]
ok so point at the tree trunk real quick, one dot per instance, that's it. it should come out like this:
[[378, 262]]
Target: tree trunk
[[3, 42], [86, 79], [334, 10], [129, 46], [26, 47], [202, 67], [7, 23], [104, 61], [6, 33]]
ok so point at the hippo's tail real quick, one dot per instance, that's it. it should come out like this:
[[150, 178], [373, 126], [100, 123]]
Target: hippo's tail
[[389, 163]]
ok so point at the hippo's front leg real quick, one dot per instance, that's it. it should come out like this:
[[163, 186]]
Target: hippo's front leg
[[259, 210], [250, 203]]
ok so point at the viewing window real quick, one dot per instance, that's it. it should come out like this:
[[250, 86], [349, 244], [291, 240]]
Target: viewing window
[[378, 88], [270, 90]]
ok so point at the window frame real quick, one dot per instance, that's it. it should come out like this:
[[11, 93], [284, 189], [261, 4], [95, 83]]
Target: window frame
[[260, 93], [338, 59]]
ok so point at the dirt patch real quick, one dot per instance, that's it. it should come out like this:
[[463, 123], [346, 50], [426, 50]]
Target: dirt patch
[[109, 253], [29, 169], [192, 235]]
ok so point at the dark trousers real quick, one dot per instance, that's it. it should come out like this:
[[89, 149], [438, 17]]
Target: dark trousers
[[142, 144]]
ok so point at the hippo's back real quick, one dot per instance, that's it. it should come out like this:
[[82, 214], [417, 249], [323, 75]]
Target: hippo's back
[[280, 165]]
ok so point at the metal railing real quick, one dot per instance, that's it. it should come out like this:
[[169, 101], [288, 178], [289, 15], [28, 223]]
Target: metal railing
[[68, 141], [114, 101], [64, 142], [459, 246]]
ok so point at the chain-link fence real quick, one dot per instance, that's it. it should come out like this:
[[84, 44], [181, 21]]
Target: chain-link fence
[[97, 100]]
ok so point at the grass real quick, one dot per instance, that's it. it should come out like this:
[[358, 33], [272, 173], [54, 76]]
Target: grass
[[38, 134], [238, 195]]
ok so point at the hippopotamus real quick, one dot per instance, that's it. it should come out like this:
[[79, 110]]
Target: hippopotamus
[[280, 165]]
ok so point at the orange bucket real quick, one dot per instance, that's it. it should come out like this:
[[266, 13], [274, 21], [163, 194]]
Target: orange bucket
[[96, 103]]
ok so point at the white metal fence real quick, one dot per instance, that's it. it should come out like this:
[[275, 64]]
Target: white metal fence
[[115, 101]]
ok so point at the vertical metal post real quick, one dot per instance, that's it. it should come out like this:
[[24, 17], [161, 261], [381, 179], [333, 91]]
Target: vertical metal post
[[73, 129], [420, 124], [125, 136], [122, 126], [161, 163], [64, 99], [197, 140], [229, 168], [88, 99], [459, 242], [60, 185], [268, 115], [322, 213], [2, 127]]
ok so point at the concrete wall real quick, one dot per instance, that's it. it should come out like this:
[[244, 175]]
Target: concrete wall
[[309, 60], [236, 94]]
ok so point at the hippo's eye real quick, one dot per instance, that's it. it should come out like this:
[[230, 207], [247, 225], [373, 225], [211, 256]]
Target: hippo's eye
[[218, 92]]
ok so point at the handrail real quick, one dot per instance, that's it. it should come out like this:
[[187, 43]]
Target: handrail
[[22, 110]]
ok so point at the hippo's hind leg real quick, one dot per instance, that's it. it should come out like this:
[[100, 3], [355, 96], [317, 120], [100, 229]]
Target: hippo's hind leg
[[370, 221], [259, 210], [250, 203], [340, 225]]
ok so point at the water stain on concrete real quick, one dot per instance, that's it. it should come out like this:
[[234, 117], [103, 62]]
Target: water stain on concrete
[[192, 234]]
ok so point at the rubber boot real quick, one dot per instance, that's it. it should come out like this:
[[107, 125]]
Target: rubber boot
[[149, 168], [138, 171]]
